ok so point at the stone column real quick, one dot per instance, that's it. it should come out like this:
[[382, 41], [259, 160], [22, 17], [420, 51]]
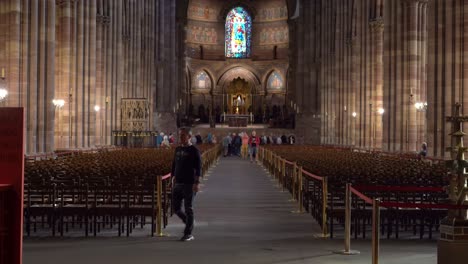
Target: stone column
[[412, 59], [50, 75], [63, 60], [12, 52], [167, 82], [377, 27], [100, 72]]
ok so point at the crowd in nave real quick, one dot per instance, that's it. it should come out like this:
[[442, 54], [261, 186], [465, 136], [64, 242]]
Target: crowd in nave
[[242, 144]]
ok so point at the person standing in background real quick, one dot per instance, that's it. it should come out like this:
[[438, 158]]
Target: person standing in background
[[254, 142], [245, 145], [159, 139]]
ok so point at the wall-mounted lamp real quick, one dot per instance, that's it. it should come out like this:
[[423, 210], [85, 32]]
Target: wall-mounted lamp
[[354, 114], [3, 94], [97, 108], [381, 111], [421, 106], [59, 103]]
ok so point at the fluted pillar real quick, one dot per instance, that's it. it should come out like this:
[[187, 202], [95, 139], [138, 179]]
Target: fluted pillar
[[377, 27], [412, 63], [63, 60]]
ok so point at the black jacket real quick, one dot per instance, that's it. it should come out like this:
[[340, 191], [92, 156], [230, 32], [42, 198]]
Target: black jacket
[[186, 166]]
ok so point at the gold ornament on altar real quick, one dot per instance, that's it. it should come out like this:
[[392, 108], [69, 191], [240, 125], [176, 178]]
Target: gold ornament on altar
[[238, 86]]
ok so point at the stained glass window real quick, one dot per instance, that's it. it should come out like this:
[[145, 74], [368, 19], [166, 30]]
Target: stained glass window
[[203, 81], [238, 33], [275, 81]]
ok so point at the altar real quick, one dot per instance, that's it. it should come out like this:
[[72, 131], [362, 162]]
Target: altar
[[237, 120]]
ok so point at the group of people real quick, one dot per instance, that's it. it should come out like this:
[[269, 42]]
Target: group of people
[[197, 139], [165, 141], [241, 144]]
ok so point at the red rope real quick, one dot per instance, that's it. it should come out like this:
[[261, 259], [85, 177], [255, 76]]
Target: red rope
[[5, 187], [167, 176], [312, 175], [423, 206], [362, 196], [399, 188]]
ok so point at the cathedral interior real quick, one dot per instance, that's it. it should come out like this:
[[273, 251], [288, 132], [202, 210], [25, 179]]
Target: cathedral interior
[[374, 74], [382, 76]]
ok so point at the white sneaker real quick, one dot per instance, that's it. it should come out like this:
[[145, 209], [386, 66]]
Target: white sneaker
[[187, 238]]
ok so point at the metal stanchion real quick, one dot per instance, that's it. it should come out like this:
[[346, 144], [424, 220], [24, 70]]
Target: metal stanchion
[[271, 166], [299, 190], [159, 214], [260, 152], [293, 184], [283, 174], [347, 250], [278, 170], [375, 231], [324, 233]]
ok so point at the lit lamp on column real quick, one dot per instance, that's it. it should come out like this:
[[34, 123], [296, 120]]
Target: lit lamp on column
[[421, 107], [354, 115], [3, 94], [3, 91], [59, 103]]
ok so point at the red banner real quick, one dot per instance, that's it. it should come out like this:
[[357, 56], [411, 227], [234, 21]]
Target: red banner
[[12, 175]]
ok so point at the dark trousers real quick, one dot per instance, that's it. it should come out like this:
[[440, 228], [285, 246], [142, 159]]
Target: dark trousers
[[184, 192]]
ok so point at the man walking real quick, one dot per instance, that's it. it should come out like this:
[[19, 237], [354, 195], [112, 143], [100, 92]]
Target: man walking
[[186, 171]]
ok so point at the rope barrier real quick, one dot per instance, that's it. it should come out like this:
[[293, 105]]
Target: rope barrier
[[312, 175], [361, 195], [399, 188], [5, 187], [423, 205], [273, 161]]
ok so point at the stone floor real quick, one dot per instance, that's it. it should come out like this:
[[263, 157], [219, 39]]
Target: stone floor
[[241, 217]]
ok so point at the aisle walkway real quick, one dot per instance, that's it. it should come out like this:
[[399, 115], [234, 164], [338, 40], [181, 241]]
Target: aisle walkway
[[241, 217]]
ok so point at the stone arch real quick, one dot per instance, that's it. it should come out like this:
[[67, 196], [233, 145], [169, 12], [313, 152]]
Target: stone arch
[[232, 4], [210, 76], [239, 72], [267, 77]]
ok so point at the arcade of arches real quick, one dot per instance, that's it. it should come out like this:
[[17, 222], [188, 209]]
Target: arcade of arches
[[372, 74], [331, 65]]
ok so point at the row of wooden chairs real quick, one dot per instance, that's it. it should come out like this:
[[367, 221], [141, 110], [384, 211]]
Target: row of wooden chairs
[[345, 166], [89, 193], [396, 222]]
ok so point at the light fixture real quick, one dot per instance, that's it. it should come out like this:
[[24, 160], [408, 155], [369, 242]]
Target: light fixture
[[354, 114], [3, 94], [421, 106], [381, 111], [97, 108], [59, 103]]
